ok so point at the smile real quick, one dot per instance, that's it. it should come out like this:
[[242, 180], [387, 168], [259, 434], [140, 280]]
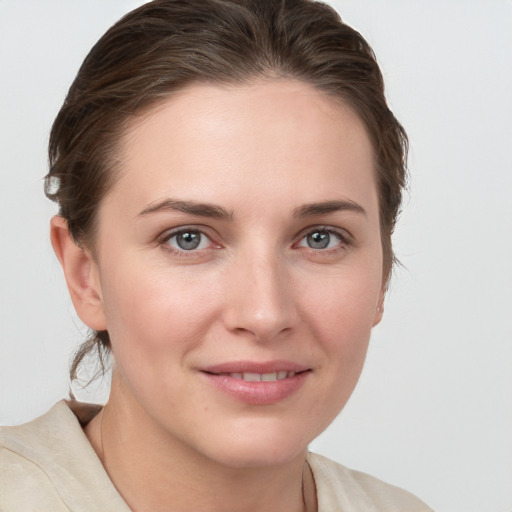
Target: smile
[[260, 377], [257, 383]]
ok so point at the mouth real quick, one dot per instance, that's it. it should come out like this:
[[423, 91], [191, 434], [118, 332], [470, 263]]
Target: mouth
[[258, 377], [257, 383]]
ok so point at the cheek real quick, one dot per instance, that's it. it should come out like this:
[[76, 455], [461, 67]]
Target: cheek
[[343, 327], [151, 309], [155, 319], [339, 321], [340, 311], [344, 303]]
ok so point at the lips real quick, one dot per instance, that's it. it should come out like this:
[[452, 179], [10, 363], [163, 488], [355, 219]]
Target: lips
[[261, 368], [260, 377], [257, 383]]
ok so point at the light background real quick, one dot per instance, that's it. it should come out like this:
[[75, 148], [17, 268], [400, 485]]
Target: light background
[[433, 410]]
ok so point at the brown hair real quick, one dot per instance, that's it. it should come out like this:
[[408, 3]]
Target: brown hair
[[166, 45]]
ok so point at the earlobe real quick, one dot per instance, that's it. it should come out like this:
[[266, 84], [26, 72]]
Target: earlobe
[[379, 312], [378, 315], [81, 273]]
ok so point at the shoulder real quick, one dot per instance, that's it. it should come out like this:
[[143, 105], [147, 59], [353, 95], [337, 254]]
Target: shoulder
[[24, 486], [49, 465], [340, 488], [25, 483]]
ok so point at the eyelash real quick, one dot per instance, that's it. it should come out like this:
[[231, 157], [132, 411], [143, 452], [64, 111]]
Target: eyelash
[[345, 240], [164, 239]]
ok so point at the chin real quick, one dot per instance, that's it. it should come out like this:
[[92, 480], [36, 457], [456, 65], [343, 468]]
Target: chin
[[262, 444], [245, 457]]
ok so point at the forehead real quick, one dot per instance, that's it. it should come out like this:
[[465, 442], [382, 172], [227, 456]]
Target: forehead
[[274, 137]]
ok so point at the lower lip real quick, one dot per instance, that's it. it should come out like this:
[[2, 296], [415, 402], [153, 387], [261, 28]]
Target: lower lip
[[258, 393]]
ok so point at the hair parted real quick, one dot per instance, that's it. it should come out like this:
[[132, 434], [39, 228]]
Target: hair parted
[[165, 45]]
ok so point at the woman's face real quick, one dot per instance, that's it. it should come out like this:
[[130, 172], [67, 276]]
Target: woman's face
[[239, 267]]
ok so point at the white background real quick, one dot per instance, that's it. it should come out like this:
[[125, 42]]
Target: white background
[[433, 410]]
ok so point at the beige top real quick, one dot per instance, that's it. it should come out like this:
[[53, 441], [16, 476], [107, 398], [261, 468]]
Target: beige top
[[48, 465]]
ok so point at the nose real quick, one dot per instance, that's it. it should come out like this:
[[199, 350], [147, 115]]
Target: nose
[[260, 299]]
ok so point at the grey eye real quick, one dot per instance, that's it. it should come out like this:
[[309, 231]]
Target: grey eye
[[318, 239], [188, 240], [321, 239]]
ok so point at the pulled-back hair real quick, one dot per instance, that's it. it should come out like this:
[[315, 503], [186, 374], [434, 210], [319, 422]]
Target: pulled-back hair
[[166, 45]]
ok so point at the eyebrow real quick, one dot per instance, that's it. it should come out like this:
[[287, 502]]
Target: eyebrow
[[189, 207], [217, 212], [326, 207]]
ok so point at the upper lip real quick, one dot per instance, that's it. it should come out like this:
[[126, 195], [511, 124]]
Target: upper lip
[[255, 367]]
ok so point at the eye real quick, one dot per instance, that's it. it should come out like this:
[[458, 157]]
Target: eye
[[320, 239], [188, 240]]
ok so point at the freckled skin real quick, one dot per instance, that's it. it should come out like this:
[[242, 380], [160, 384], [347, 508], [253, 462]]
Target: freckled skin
[[254, 290]]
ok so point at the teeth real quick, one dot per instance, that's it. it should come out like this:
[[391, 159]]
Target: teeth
[[252, 377], [258, 377]]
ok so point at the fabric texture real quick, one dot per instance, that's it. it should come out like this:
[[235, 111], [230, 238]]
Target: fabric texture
[[48, 465]]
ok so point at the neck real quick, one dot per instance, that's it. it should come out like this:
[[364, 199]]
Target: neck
[[151, 469]]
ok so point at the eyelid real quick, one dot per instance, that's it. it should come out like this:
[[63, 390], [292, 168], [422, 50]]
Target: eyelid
[[346, 239], [166, 235], [343, 234]]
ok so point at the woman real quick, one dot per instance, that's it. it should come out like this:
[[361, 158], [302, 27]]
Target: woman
[[228, 176]]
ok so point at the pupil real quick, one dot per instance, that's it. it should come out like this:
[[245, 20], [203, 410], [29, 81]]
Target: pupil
[[188, 240], [319, 240]]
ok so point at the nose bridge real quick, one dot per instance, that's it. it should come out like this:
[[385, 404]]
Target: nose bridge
[[261, 298]]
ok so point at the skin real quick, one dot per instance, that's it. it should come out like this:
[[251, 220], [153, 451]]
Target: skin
[[254, 290]]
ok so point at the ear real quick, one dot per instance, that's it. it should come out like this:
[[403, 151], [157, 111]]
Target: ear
[[379, 312], [81, 273]]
